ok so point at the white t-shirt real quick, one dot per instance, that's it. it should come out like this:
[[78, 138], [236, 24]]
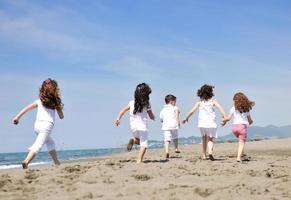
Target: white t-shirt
[[168, 115], [207, 116], [239, 118], [45, 114], [138, 121]]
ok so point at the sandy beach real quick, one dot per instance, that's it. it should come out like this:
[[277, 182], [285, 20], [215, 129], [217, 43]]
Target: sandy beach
[[184, 176]]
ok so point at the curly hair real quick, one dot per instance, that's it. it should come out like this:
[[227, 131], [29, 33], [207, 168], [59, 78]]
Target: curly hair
[[242, 103], [205, 92], [49, 95], [141, 97]]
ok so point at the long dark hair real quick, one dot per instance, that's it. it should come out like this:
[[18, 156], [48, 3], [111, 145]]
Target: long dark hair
[[141, 97], [49, 95], [205, 92], [242, 103]]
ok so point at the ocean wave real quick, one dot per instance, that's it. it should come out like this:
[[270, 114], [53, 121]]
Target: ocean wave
[[20, 166]]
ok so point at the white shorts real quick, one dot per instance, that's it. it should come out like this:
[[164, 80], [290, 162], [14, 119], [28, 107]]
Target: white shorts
[[43, 130], [142, 136], [211, 132], [170, 135]]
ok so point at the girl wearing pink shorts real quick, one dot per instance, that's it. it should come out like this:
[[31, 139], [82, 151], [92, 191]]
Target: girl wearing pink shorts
[[241, 119]]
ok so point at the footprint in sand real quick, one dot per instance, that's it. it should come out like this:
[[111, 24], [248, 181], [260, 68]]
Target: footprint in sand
[[203, 192], [32, 174], [76, 169], [141, 177]]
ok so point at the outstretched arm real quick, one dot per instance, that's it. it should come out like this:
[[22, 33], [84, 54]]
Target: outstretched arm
[[191, 112], [120, 115], [178, 117], [151, 114], [60, 113], [23, 111], [219, 107], [250, 120]]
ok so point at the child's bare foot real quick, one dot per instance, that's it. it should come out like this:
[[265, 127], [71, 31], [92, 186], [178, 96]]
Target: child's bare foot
[[167, 155], [24, 164], [211, 157], [203, 157], [138, 161], [130, 144], [57, 163]]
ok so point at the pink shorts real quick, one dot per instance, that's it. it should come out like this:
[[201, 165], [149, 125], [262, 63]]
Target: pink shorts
[[240, 131]]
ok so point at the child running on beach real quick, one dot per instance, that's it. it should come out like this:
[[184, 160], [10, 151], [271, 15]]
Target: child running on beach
[[206, 118], [241, 119], [48, 103], [139, 110], [169, 116]]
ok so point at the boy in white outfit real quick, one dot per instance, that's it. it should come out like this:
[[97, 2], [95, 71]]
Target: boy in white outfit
[[169, 116]]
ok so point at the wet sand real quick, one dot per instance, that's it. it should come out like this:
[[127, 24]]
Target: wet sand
[[183, 176]]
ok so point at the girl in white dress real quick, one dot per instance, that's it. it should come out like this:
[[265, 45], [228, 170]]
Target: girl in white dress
[[139, 110], [206, 118]]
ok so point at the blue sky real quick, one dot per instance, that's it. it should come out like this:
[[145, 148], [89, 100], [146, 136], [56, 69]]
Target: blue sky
[[99, 50]]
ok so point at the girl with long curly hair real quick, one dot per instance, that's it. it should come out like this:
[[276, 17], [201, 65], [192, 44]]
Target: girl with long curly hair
[[139, 110], [47, 105], [206, 118], [241, 119]]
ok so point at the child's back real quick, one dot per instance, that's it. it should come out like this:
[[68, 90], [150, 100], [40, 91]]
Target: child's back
[[138, 121], [207, 116], [168, 116]]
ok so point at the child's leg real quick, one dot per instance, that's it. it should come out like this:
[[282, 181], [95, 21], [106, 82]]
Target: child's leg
[[50, 144], [35, 148], [204, 146], [167, 140], [143, 140], [210, 145], [203, 142], [241, 146], [142, 151], [176, 144], [28, 159], [167, 144], [175, 140], [54, 156]]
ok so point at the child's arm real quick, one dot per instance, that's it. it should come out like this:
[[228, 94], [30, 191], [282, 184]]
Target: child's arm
[[219, 107], [250, 120], [151, 114], [161, 116], [60, 113], [178, 117], [23, 111], [226, 119], [191, 112], [120, 115]]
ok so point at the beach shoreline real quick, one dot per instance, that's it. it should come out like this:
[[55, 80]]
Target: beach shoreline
[[183, 176]]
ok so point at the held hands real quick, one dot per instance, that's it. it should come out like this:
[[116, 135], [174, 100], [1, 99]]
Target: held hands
[[224, 120], [185, 121]]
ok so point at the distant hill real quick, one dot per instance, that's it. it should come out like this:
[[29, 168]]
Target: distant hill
[[254, 133]]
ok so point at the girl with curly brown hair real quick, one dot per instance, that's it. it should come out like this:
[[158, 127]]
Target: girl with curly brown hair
[[241, 119], [47, 105], [206, 118]]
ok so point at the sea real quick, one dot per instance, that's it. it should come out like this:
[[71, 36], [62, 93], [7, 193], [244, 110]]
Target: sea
[[13, 160]]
